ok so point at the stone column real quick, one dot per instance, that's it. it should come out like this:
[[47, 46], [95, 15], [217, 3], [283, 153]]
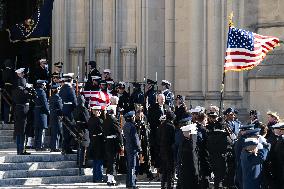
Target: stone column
[[103, 58], [76, 63], [59, 35], [196, 47], [128, 61], [170, 41], [77, 36], [215, 56]]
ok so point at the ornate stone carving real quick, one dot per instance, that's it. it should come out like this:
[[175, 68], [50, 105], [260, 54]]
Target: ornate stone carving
[[128, 50], [76, 50], [103, 50]]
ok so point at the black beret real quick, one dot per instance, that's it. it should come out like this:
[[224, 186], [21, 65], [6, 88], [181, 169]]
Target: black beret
[[151, 82]]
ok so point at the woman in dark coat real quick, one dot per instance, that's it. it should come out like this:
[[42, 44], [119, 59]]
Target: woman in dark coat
[[97, 143]]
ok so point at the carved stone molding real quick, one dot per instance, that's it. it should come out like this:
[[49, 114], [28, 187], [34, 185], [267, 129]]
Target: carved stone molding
[[128, 50], [103, 50], [76, 50]]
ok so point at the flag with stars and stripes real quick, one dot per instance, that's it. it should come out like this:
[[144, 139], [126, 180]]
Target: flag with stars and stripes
[[246, 50]]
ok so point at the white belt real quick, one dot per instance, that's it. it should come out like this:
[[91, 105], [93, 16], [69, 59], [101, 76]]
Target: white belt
[[67, 103], [111, 136], [98, 134]]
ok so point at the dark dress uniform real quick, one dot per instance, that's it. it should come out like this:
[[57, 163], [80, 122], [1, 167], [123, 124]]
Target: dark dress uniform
[[113, 144], [124, 102], [137, 97], [279, 162], [96, 149], [252, 167], [69, 101], [169, 98], [41, 110], [55, 105], [179, 112], [21, 107], [189, 164], [217, 147], [166, 143], [132, 147]]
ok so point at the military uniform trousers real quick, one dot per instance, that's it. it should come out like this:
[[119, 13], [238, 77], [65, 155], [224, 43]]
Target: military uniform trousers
[[132, 164], [97, 170], [67, 111], [55, 137], [167, 169], [111, 154]]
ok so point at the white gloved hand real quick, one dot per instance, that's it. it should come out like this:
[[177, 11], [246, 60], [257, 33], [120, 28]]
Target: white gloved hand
[[261, 139], [259, 146]]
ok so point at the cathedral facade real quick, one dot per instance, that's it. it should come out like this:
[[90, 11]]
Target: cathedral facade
[[183, 41]]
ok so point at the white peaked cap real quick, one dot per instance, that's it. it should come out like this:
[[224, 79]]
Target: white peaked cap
[[20, 70], [107, 71], [192, 128]]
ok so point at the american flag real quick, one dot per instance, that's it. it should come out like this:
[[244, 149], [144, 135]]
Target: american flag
[[246, 50], [97, 98]]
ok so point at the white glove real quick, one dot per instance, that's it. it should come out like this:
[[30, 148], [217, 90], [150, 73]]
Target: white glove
[[259, 146], [261, 139]]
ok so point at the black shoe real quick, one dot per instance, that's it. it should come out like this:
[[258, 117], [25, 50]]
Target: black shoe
[[111, 184], [55, 150], [25, 153]]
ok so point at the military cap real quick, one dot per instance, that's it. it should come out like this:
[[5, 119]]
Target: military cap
[[39, 81], [20, 70], [95, 77], [274, 114], [192, 128], [197, 109], [107, 71], [110, 82], [58, 64], [68, 75], [121, 85], [29, 85], [165, 82], [151, 82], [55, 86], [93, 64], [212, 114], [251, 142], [253, 112], [247, 127], [42, 60], [230, 110], [279, 125], [96, 108], [129, 114], [179, 97]]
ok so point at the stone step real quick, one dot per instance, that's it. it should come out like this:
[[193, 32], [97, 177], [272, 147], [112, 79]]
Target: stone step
[[6, 145], [6, 139], [37, 158], [45, 180], [6, 126], [37, 165], [43, 173], [6, 132]]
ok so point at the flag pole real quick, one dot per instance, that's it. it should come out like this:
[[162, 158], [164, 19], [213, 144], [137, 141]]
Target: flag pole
[[231, 24]]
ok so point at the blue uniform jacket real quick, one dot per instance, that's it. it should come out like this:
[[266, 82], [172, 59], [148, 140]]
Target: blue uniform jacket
[[169, 98], [132, 144], [55, 105], [252, 168], [41, 109], [69, 100]]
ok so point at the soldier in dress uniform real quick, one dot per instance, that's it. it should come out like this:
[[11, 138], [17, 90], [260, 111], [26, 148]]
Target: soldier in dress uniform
[[21, 106], [41, 111], [81, 116], [137, 96], [252, 157], [279, 157], [217, 145], [55, 105], [132, 148], [168, 94], [272, 118], [111, 89], [189, 175], [8, 77], [93, 71], [232, 122], [55, 78], [253, 115], [58, 69], [124, 101], [180, 109], [246, 131], [69, 100], [150, 94], [107, 75], [96, 150], [166, 138], [114, 143]]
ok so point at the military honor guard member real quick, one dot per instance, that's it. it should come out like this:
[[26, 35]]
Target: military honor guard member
[[58, 69], [69, 100], [41, 111], [168, 94], [132, 148], [55, 106], [96, 150], [107, 75]]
